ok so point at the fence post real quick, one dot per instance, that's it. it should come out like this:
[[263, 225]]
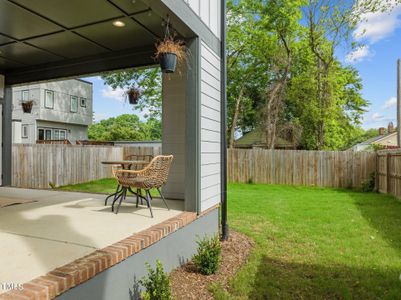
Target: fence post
[[377, 183], [388, 178]]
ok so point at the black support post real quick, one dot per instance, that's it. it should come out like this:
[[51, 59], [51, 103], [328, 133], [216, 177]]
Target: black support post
[[224, 225], [7, 136]]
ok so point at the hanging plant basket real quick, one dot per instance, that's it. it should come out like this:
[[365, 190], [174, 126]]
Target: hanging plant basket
[[168, 62], [133, 95], [170, 52], [27, 106]]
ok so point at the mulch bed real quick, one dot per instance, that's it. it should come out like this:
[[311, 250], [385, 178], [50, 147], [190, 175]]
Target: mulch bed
[[187, 283]]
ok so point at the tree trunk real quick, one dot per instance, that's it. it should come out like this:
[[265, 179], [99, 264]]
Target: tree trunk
[[235, 117]]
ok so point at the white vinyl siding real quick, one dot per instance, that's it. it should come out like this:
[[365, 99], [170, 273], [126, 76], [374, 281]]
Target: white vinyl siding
[[209, 11], [210, 128], [49, 99], [173, 136]]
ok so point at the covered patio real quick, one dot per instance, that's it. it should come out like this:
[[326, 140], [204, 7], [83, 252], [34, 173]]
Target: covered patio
[[60, 227], [70, 240]]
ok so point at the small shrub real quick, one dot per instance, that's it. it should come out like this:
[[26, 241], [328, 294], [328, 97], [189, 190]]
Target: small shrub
[[208, 255], [369, 184], [157, 284]]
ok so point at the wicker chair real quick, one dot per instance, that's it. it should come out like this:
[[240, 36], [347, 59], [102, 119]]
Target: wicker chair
[[147, 158], [154, 176]]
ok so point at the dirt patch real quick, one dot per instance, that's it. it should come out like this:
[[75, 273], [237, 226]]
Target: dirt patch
[[187, 283]]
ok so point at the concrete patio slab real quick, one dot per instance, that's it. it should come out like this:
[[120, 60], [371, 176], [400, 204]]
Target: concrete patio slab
[[63, 226]]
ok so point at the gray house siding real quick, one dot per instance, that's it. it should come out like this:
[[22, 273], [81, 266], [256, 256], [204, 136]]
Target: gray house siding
[[58, 117], [210, 128], [1, 124], [209, 11]]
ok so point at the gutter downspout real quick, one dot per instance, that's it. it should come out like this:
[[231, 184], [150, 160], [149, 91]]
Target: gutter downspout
[[223, 109]]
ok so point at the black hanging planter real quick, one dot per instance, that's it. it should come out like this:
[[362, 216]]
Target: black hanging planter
[[168, 62], [27, 106], [133, 96]]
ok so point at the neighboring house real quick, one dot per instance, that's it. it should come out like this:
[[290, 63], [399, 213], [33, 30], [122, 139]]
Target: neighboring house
[[256, 139], [388, 140], [62, 110]]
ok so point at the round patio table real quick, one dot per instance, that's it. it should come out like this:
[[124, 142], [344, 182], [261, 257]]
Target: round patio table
[[125, 165]]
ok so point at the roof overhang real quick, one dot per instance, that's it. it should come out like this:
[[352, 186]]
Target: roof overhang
[[47, 39]]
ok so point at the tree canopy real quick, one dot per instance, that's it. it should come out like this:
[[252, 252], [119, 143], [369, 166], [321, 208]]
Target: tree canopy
[[126, 127], [284, 77]]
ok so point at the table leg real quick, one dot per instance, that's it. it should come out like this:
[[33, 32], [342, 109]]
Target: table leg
[[115, 194]]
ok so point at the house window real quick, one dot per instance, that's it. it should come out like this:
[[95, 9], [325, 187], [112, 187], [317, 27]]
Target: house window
[[24, 133], [44, 134], [49, 99], [60, 134], [74, 104], [83, 102], [25, 95]]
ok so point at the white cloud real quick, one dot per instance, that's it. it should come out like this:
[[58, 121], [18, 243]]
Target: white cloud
[[117, 94], [98, 117], [377, 117], [359, 55], [392, 102], [379, 25]]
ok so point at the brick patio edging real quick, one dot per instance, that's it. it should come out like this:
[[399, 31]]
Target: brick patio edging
[[61, 279]]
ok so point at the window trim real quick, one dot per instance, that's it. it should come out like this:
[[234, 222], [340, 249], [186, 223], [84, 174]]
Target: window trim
[[52, 93], [24, 134], [71, 101], [22, 95], [52, 133], [84, 99]]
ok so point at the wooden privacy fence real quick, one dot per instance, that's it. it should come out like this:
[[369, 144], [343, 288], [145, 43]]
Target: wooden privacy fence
[[37, 165], [340, 169], [388, 179]]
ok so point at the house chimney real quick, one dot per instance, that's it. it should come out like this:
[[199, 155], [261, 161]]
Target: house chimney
[[382, 131], [390, 128]]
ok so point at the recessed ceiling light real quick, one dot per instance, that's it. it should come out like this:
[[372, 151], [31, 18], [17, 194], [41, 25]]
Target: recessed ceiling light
[[118, 23]]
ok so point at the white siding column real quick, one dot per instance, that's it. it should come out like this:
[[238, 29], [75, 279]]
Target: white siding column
[[173, 135], [210, 185]]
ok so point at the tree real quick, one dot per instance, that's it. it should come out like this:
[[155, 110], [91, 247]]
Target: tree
[[125, 128], [148, 81]]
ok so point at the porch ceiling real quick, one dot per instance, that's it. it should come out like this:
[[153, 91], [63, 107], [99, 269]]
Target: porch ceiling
[[42, 33]]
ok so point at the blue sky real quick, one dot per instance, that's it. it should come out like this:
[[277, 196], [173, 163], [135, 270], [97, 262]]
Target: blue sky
[[375, 61], [108, 102]]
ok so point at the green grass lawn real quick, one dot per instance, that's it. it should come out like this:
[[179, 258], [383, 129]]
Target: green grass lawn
[[101, 186], [314, 243], [311, 243]]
